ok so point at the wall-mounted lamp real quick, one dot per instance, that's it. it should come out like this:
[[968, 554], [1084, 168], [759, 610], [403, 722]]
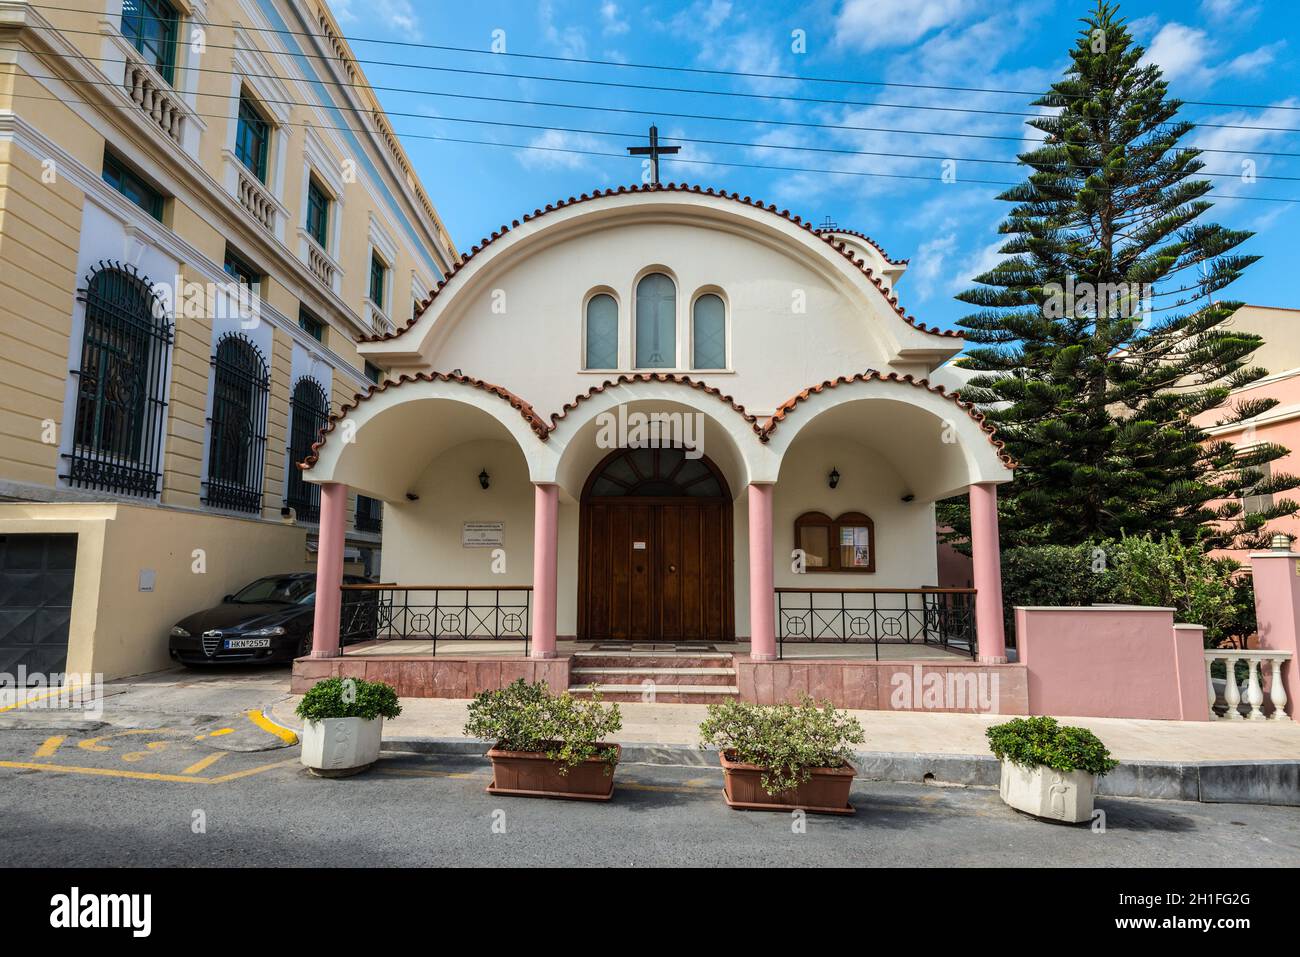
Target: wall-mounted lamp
[[908, 497], [834, 478], [484, 479], [412, 497]]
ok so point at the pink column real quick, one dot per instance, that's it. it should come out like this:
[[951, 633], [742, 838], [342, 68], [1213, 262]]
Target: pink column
[[762, 627], [986, 555], [546, 533], [1277, 613], [329, 570]]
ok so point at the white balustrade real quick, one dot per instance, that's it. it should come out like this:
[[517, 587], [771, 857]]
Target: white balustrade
[[155, 98], [320, 264], [254, 198], [1259, 662]]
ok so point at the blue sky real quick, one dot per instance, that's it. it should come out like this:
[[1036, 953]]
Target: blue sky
[[1229, 51]]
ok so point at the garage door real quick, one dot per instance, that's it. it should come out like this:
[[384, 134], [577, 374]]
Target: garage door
[[35, 601]]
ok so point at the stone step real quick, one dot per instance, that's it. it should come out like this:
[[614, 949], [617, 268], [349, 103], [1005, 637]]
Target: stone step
[[660, 676], [646, 659], [663, 694]]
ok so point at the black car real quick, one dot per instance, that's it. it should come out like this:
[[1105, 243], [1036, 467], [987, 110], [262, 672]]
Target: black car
[[267, 621]]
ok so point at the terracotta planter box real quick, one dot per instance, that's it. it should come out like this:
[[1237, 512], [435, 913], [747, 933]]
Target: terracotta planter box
[[532, 774], [826, 792]]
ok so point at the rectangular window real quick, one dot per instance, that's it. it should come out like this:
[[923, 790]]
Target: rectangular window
[[374, 373], [369, 515], [378, 276], [126, 182], [252, 138], [318, 213], [245, 274], [310, 324], [1252, 503], [151, 26]]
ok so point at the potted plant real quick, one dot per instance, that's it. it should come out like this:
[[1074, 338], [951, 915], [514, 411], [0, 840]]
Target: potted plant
[[1047, 770], [343, 722], [777, 757], [547, 745]]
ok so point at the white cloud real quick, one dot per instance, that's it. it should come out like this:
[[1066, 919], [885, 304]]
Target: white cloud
[[612, 18], [1185, 54], [395, 15], [1237, 10], [874, 24], [553, 150], [571, 41], [927, 264]]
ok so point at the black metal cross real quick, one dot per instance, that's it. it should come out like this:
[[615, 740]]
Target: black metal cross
[[654, 150]]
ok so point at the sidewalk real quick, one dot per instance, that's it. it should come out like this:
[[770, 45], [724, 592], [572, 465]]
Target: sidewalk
[[1240, 761]]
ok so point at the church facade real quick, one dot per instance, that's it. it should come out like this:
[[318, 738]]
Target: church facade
[[666, 414]]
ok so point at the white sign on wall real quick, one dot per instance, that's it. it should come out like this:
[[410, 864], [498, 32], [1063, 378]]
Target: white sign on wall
[[482, 534]]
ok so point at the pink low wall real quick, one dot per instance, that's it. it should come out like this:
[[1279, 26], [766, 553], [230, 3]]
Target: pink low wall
[[964, 687], [433, 677], [1112, 662]]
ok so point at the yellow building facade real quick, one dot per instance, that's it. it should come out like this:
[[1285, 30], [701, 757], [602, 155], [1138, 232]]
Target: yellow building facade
[[202, 207]]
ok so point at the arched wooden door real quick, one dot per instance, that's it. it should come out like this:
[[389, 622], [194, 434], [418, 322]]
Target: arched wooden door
[[655, 550]]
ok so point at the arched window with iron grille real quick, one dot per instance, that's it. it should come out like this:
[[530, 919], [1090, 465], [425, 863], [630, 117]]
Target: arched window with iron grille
[[310, 410], [121, 385], [237, 443]]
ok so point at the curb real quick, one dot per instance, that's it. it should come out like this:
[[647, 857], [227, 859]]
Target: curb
[[1275, 782]]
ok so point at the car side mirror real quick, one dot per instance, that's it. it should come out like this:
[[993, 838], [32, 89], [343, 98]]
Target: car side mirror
[[227, 598]]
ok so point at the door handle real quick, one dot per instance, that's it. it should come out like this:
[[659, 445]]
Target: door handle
[[672, 568]]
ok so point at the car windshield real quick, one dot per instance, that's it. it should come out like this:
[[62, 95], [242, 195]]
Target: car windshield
[[286, 591]]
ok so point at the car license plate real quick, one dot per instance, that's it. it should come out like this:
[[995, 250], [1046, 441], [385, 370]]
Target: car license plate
[[235, 643]]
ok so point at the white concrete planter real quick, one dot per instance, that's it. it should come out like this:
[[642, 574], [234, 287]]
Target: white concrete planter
[[1046, 793], [337, 747]]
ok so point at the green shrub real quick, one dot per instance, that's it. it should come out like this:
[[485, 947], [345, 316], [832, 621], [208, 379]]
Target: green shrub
[[349, 698], [786, 741], [1041, 741], [524, 717], [1049, 575]]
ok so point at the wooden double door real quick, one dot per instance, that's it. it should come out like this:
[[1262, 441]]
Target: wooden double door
[[657, 567]]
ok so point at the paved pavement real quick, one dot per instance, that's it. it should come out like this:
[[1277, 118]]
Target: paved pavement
[[143, 799]]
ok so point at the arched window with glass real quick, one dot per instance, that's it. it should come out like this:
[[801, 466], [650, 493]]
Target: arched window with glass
[[309, 413], [656, 322], [709, 332], [121, 385], [601, 332], [237, 442]]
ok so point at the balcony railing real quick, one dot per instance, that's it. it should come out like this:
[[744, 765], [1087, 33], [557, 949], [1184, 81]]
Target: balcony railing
[[1227, 703], [321, 266], [434, 613], [151, 93], [253, 196], [940, 617]]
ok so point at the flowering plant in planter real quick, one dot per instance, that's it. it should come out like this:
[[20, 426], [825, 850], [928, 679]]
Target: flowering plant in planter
[[783, 748], [343, 724], [1049, 770], [547, 745]]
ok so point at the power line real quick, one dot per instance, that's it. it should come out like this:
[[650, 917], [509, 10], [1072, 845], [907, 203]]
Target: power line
[[595, 153], [705, 71], [423, 116]]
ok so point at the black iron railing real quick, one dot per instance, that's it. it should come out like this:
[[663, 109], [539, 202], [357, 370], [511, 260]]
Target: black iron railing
[[241, 383], [942, 617], [438, 612], [370, 515], [309, 413], [121, 385]]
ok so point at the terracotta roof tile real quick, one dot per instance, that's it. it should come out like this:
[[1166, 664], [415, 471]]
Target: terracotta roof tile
[[826, 232], [762, 430], [789, 405], [675, 188]]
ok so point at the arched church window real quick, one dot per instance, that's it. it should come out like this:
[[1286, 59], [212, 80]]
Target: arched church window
[[656, 322], [121, 385], [602, 333], [237, 441], [709, 332]]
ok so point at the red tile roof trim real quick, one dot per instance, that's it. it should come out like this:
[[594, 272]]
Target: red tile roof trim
[[535, 422], [824, 231], [762, 430], [672, 188], [788, 406], [677, 378]]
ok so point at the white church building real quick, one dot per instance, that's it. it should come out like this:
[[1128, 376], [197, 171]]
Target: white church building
[[660, 415]]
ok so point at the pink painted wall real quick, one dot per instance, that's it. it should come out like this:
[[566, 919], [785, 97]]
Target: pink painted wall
[[422, 677], [1277, 611], [1112, 662]]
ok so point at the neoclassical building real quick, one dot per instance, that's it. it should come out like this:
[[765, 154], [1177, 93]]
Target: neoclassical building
[[671, 415]]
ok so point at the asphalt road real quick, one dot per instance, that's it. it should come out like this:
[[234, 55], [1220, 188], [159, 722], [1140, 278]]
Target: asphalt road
[[146, 798]]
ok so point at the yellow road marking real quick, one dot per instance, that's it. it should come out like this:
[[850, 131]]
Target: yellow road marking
[[50, 746], [153, 747], [92, 744], [249, 772], [214, 734], [40, 697], [104, 772], [205, 763], [270, 727]]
